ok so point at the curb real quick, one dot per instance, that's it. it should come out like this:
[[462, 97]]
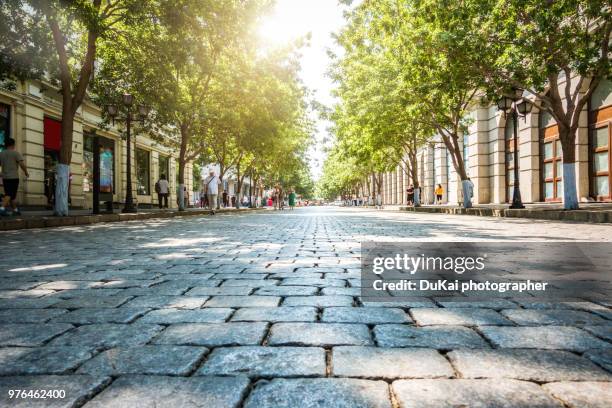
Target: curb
[[52, 222], [590, 216]]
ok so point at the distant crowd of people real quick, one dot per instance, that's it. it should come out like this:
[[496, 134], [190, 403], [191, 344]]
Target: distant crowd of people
[[413, 196]]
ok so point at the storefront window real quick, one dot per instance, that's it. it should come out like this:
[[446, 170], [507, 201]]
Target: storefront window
[[449, 164], [601, 141], [5, 124], [143, 171], [88, 162], [164, 166], [52, 145], [466, 154], [509, 143], [552, 164], [107, 163]]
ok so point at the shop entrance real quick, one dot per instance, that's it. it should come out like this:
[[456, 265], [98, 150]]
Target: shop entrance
[[99, 170]]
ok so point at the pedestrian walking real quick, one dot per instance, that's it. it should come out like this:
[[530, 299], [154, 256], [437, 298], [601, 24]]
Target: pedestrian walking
[[410, 195], [10, 161], [292, 200], [211, 187], [162, 188], [439, 193]]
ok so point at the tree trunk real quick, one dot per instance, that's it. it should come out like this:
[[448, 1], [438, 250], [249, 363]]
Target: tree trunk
[[414, 165], [182, 162], [568, 146], [238, 185], [452, 146], [62, 180], [222, 187]]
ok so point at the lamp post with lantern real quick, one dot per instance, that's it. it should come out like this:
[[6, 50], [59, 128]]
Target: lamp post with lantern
[[143, 112], [515, 105]]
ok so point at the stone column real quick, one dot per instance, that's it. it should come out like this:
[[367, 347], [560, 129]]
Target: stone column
[[497, 156], [479, 155]]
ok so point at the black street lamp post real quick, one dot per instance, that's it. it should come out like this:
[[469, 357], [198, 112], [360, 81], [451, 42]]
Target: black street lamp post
[[143, 112], [510, 105]]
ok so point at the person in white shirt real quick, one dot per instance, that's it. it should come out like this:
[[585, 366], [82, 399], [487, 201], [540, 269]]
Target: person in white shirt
[[163, 189], [211, 188]]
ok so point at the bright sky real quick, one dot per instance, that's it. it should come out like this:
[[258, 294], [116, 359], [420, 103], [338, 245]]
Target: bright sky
[[292, 19]]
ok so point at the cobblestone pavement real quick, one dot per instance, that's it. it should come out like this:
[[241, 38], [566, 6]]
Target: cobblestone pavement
[[263, 310]]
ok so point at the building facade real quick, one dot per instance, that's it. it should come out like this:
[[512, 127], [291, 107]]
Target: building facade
[[489, 158], [30, 113]]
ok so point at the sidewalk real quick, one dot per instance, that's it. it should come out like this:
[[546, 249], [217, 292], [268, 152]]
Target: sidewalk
[[588, 212], [46, 219]]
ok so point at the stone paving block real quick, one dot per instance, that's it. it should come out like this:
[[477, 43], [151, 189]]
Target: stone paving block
[[170, 288], [193, 280], [445, 393], [602, 357], [319, 393], [241, 276], [404, 302], [108, 335], [366, 315], [78, 389], [254, 283], [535, 317], [605, 332], [157, 360], [160, 391], [182, 269], [170, 316], [287, 291], [585, 394], [6, 284], [63, 285], [318, 301], [29, 315], [221, 291], [496, 304], [281, 275], [543, 337], [438, 337], [30, 335], [92, 302], [167, 302], [32, 293], [24, 303], [458, 316], [258, 361], [341, 291], [322, 269], [530, 303], [41, 360], [213, 334], [530, 365], [322, 283], [276, 314], [319, 334], [86, 293], [104, 315], [389, 363], [243, 301]]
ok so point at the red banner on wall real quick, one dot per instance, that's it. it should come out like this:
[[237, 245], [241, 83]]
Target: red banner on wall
[[53, 134]]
